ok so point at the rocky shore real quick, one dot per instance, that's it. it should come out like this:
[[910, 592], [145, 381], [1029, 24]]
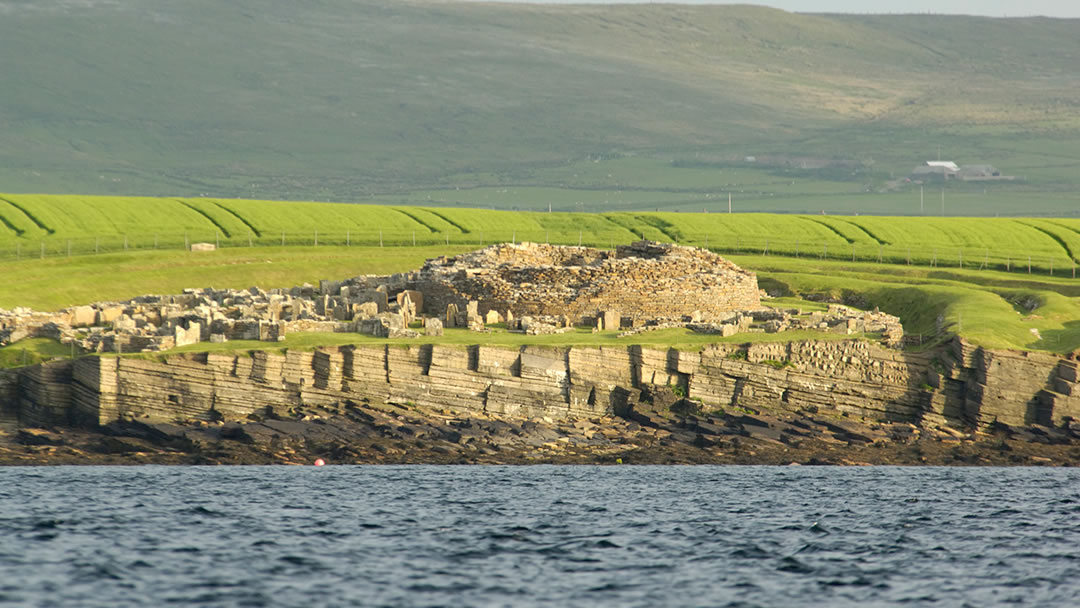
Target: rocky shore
[[661, 429]]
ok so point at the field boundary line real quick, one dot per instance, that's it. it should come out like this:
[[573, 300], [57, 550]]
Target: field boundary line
[[29, 215], [204, 214], [659, 223], [865, 230], [239, 217], [11, 227], [416, 219], [831, 228], [1056, 238], [448, 220]]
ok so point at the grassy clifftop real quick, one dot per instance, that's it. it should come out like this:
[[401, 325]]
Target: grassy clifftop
[[347, 99]]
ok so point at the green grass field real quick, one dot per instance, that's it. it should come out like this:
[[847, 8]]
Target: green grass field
[[50, 227]]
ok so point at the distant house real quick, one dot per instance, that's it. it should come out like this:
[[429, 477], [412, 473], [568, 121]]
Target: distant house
[[946, 170], [936, 169]]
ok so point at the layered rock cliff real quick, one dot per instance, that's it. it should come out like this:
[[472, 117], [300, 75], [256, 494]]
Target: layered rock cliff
[[959, 386]]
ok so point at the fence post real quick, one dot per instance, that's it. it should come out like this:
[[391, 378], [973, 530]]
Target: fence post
[[960, 258], [766, 252], [447, 238], [879, 253], [18, 250], [796, 248], [1051, 266], [316, 238], [348, 240], [513, 237], [579, 238], [414, 238], [249, 239], [1029, 264], [155, 241], [125, 242], [824, 250], [1008, 263], [380, 238]]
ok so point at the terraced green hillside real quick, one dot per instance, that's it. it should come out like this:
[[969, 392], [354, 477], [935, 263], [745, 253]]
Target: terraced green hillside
[[597, 108], [58, 226]]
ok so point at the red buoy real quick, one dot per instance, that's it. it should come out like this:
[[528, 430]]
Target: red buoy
[[319, 462]]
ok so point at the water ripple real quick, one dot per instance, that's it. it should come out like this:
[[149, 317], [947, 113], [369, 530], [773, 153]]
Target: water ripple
[[538, 536]]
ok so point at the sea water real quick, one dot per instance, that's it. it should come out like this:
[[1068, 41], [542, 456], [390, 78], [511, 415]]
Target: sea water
[[539, 536]]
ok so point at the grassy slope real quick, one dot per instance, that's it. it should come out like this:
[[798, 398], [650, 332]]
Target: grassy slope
[[54, 283], [345, 99], [95, 224]]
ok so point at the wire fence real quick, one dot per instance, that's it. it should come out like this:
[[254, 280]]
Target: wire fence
[[935, 255]]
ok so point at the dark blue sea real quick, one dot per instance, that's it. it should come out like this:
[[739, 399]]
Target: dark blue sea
[[539, 536]]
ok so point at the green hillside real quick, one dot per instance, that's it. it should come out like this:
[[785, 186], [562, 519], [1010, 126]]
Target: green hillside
[[597, 108], [51, 226]]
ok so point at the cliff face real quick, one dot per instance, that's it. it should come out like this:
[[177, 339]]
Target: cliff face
[[1015, 388], [9, 395], [961, 386]]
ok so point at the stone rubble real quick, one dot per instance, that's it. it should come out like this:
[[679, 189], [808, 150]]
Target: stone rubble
[[531, 288]]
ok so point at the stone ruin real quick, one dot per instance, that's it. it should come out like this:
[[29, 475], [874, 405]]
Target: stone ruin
[[633, 284], [531, 288]]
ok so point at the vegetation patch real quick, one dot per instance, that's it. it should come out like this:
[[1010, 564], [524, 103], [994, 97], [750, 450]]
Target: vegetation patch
[[31, 352]]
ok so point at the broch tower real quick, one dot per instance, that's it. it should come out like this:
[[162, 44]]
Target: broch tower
[[643, 281]]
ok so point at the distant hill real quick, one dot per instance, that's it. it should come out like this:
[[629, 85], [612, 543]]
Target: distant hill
[[346, 99]]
